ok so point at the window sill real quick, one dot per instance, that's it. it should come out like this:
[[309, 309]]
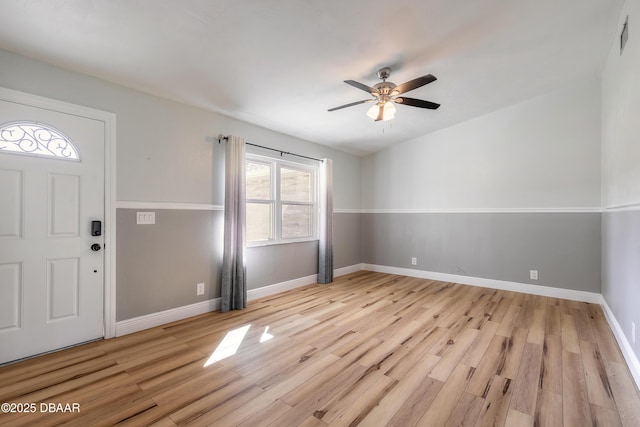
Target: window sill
[[283, 242]]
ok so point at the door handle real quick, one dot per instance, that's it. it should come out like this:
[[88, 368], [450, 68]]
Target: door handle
[[96, 247]]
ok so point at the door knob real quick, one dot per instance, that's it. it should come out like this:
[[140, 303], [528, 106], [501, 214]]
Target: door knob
[[96, 247]]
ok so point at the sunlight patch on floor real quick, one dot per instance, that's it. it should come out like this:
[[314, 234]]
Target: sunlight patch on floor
[[229, 345], [266, 336]]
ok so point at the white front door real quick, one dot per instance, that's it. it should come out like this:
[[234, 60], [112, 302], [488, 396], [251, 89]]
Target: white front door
[[51, 279]]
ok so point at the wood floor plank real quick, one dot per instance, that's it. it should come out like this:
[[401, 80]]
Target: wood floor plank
[[536, 328], [624, 392], [513, 353], [575, 401], [355, 413], [402, 363], [551, 371], [525, 390], [206, 410], [548, 410], [444, 404], [498, 312], [276, 391], [452, 356], [570, 341], [267, 415], [603, 417], [393, 401], [479, 346], [414, 407], [329, 410], [518, 419], [553, 324], [603, 335], [315, 397], [583, 325], [466, 411], [508, 321], [496, 403], [598, 387], [501, 358], [368, 349]]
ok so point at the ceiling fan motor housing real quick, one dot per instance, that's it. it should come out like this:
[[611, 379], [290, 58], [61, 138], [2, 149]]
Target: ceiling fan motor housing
[[384, 73]]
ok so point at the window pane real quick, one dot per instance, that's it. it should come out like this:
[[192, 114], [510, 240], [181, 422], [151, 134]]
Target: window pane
[[295, 185], [259, 222], [296, 221], [258, 181]]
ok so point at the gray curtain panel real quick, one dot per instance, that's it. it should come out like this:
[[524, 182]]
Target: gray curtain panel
[[234, 272], [325, 246]]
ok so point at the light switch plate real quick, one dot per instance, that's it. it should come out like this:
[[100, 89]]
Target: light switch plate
[[145, 217]]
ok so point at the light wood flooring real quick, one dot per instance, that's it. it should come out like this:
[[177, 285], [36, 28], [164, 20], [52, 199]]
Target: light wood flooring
[[370, 349]]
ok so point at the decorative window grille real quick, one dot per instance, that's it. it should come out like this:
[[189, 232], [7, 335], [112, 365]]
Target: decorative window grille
[[36, 139]]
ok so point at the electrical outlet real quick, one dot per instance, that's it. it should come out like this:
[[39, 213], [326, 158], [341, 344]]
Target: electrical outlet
[[533, 274], [200, 289], [633, 331], [414, 261]]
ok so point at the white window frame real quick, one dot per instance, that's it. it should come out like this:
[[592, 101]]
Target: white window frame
[[277, 202]]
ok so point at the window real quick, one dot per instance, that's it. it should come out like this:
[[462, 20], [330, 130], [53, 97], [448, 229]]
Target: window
[[36, 139], [281, 201]]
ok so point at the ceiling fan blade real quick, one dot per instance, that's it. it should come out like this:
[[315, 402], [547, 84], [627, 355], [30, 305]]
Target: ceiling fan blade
[[363, 87], [416, 103], [414, 84], [351, 104]]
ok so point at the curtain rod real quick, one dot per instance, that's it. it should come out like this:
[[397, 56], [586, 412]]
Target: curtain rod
[[226, 138]]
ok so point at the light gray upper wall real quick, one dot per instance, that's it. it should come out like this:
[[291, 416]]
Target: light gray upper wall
[[621, 176], [163, 154], [541, 153], [620, 116]]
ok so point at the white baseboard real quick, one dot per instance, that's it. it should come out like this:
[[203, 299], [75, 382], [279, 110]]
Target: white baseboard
[[547, 291], [136, 324], [348, 270], [266, 291], [632, 360]]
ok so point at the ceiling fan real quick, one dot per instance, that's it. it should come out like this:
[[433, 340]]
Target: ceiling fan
[[386, 94]]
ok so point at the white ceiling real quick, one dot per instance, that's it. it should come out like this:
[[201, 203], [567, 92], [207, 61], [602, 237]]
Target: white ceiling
[[280, 64]]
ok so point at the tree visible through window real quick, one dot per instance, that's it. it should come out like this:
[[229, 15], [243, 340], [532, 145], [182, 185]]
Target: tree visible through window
[[281, 201]]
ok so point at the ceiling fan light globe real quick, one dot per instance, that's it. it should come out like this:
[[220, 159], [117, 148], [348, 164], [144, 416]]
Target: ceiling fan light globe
[[373, 111], [389, 111]]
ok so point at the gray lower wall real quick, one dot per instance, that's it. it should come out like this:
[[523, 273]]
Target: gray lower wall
[[267, 265], [159, 265], [347, 239], [563, 247], [621, 270]]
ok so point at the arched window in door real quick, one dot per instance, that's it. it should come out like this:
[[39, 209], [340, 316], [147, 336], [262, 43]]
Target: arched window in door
[[36, 139]]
